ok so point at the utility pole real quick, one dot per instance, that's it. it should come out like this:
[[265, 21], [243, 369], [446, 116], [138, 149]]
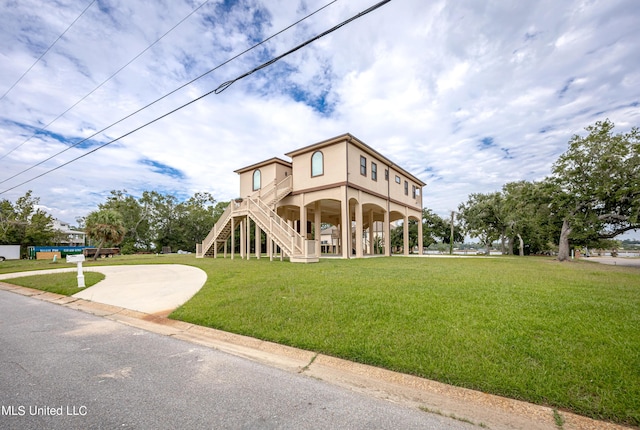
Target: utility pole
[[451, 237]]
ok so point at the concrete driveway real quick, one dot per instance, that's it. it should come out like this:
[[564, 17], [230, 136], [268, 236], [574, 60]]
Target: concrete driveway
[[154, 288], [616, 261]]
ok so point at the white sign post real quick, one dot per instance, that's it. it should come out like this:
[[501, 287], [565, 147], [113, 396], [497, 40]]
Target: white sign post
[[79, 258]]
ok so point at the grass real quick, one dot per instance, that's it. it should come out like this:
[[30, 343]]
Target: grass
[[59, 283], [563, 335]]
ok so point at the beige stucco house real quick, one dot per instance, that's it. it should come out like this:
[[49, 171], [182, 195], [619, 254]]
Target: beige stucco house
[[340, 183]]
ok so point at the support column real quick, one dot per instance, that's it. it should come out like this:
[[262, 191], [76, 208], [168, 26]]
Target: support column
[[317, 221], [372, 249], [387, 234], [420, 241], [406, 235], [345, 229], [248, 239], [359, 230], [258, 241], [233, 237], [243, 242], [303, 221]]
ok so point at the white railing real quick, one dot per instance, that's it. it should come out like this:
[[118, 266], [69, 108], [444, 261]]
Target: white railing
[[282, 232], [215, 231], [274, 192]]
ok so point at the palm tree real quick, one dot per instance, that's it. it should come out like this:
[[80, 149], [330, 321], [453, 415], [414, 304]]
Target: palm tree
[[105, 225]]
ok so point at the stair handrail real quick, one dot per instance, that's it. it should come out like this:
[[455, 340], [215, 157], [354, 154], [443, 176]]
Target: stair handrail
[[284, 232], [217, 227], [265, 192]]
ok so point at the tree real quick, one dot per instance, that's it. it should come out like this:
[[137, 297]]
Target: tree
[[436, 229], [105, 226], [23, 223], [483, 216], [596, 189], [135, 217], [528, 216], [196, 217]]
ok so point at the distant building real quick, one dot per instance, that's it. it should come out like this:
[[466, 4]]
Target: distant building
[[340, 183], [66, 236]]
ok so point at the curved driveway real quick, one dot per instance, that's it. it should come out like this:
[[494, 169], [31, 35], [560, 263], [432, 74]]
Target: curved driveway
[[150, 288]]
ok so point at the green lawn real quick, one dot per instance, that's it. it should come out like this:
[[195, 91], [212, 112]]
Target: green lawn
[[564, 335], [59, 283]]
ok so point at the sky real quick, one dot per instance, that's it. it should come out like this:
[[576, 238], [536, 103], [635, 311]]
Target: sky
[[466, 95]]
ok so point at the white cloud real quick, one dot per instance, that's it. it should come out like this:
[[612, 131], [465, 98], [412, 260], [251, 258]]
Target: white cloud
[[422, 82]]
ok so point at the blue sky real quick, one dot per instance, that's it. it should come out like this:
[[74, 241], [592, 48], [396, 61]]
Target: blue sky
[[467, 95]]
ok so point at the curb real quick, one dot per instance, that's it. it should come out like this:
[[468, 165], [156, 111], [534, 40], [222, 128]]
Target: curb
[[470, 406]]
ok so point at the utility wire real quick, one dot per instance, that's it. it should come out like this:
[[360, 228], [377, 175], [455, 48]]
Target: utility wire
[[48, 49], [108, 79], [168, 94], [218, 90], [227, 84]]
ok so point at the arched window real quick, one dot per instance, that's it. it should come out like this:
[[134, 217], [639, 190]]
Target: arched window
[[317, 164], [256, 180]]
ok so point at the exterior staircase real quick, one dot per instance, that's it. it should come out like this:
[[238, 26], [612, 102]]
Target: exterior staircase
[[260, 208]]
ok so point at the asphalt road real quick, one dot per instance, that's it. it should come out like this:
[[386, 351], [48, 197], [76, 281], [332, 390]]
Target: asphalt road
[[65, 369]]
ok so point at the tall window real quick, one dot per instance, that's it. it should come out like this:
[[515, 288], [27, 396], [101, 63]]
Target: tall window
[[363, 166], [317, 164], [413, 191], [374, 171], [406, 188], [386, 174], [256, 180]]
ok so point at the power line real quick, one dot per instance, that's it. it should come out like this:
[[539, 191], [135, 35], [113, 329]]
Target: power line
[[218, 90], [47, 50], [108, 79], [170, 93], [227, 84]]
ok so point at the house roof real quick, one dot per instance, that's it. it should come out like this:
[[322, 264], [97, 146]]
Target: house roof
[[274, 160], [360, 144]]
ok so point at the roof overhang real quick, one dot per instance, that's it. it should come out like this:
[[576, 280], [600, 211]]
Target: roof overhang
[[274, 160]]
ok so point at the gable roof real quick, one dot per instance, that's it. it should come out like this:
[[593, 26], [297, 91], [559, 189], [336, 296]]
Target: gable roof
[[274, 160]]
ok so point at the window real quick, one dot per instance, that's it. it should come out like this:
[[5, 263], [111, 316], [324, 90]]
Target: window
[[317, 164], [256, 180], [406, 188], [413, 191], [363, 166], [374, 171], [397, 179], [386, 174]]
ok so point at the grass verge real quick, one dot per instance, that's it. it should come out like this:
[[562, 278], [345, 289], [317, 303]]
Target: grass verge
[[59, 283]]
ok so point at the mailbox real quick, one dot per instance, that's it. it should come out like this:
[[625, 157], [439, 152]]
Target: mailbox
[[77, 258]]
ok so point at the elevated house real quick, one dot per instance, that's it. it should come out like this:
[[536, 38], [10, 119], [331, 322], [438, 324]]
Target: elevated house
[[66, 236], [340, 183]]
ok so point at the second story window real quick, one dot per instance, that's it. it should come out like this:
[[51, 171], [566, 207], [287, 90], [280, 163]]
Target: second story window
[[397, 179], [256, 180], [374, 171], [317, 164], [363, 166], [386, 174], [406, 188], [413, 191]]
